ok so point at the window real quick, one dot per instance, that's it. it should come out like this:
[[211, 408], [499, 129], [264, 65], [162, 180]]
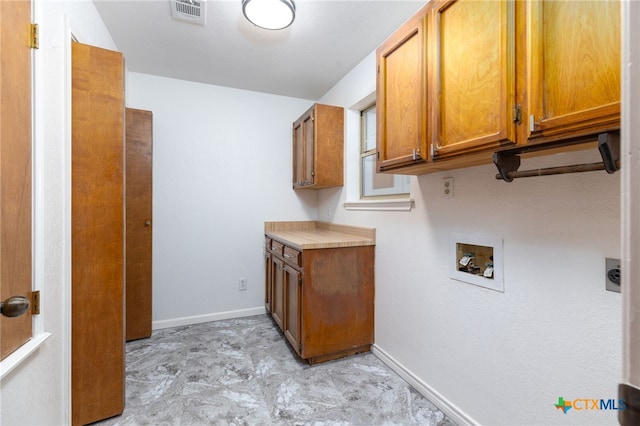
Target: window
[[376, 184]]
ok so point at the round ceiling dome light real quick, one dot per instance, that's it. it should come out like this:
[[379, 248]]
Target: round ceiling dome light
[[269, 14]]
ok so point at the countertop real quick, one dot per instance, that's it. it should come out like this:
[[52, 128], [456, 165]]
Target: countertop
[[306, 235]]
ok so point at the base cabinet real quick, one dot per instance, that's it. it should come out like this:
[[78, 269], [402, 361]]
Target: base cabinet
[[322, 299]]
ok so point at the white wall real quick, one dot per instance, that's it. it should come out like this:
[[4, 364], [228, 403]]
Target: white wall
[[221, 168], [37, 392], [500, 358]]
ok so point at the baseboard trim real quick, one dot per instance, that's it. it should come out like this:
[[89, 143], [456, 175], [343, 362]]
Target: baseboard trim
[[446, 406], [198, 319]]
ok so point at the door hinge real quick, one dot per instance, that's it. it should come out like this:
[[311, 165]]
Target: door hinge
[[35, 302], [517, 114], [34, 37], [299, 279], [532, 123]]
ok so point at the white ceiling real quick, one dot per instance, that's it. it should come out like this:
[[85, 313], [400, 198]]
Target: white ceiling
[[327, 39]]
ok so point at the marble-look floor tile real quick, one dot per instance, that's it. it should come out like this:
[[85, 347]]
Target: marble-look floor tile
[[243, 372]]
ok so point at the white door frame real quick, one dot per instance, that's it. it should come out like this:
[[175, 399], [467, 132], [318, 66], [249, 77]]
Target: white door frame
[[630, 208]]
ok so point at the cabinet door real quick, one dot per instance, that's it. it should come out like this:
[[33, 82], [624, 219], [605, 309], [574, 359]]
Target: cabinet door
[[292, 283], [298, 154], [277, 291], [472, 75], [574, 80], [303, 150], [308, 132], [402, 97], [267, 280]]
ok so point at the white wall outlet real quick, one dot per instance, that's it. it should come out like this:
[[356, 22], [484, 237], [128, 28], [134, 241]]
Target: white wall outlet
[[447, 187], [242, 284]]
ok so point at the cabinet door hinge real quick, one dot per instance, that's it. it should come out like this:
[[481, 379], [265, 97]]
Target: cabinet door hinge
[[34, 37], [532, 123], [517, 114], [299, 279], [35, 302]]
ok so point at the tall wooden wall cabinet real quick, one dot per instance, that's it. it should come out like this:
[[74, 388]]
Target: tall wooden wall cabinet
[[97, 234]]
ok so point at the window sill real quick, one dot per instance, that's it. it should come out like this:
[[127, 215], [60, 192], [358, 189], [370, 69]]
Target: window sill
[[380, 205], [22, 354]]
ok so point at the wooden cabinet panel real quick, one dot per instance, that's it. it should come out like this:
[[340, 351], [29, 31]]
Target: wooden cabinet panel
[[267, 274], [574, 79], [401, 97], [277, 291], [337, 301], [318, 139], [292, 318], [472, 78]]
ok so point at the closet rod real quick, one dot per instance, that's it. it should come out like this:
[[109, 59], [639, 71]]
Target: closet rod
[[508, 161], [561, 170]]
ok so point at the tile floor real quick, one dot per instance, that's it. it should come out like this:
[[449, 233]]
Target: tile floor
[[243, 372]]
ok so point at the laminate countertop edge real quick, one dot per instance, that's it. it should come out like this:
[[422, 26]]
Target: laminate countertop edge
[[320, 235]]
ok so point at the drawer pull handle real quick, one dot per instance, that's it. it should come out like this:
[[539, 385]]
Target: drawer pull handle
[[288, 256]]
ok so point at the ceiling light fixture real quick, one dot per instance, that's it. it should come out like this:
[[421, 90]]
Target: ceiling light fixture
[[269, 14]]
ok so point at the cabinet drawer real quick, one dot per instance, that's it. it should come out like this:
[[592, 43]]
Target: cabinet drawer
[[276, 248], [267, 244], [292, 255]]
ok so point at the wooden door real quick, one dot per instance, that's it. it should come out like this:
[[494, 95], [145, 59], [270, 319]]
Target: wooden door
[[277, 301], [472, 75], [139, 163], [15, 168], [97, 234], [574, 77], [292, 283], [402, 97]]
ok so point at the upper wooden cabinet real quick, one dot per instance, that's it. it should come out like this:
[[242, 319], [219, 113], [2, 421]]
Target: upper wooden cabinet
[[318, 139], [573, 80], [464, 78], [472, 75], [402, 97]]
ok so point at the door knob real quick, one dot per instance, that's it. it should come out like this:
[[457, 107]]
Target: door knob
[[147, 223], [14, 306]]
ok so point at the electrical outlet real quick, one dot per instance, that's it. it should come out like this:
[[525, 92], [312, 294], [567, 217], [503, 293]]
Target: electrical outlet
[[242, 284], [447, 187], [612, 274]]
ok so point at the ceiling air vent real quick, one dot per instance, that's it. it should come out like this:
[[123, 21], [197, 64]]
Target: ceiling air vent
[[188, 10]]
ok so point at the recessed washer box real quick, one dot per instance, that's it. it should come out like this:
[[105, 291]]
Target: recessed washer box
[[477, 260]]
